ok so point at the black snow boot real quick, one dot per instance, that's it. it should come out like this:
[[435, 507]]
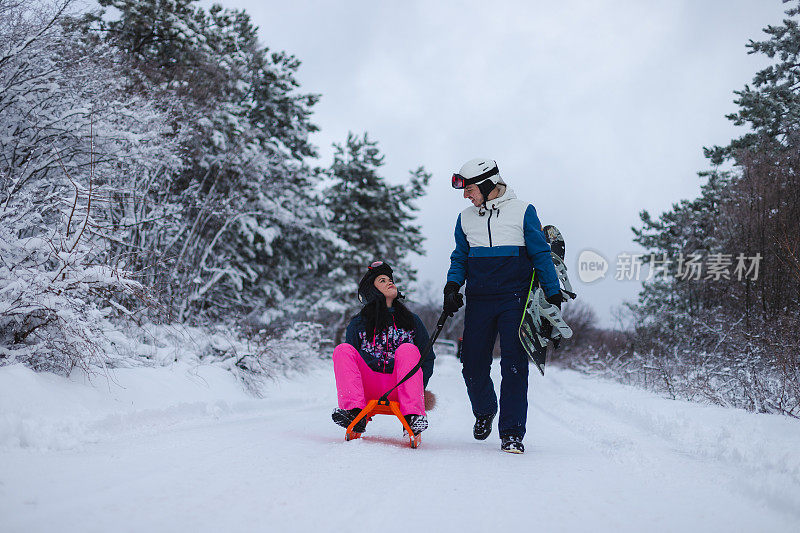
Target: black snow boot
[[483, 426], [344, 417], [417, 423], [512, 444]]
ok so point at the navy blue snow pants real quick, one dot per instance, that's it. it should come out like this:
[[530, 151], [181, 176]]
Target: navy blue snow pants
[[485, 317]]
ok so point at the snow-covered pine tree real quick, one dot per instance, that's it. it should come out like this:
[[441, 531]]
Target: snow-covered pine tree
[[764, 201], [66, 128], [736, 337], [375, 217], [252, 235], [770, 107], [667, 303], [752, 209]]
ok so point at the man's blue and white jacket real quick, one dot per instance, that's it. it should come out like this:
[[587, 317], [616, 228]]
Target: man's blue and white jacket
[[499, 246]]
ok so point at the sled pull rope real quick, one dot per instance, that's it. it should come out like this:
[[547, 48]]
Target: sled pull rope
[[422, 358]]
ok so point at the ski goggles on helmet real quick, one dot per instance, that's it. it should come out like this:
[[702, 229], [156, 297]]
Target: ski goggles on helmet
[[460, 182], [376, 269], [366, 290]]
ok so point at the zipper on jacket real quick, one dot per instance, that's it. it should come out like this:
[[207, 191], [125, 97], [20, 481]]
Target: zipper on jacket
[[489, 226]]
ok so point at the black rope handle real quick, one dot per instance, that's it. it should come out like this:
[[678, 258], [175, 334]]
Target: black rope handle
[[439, 325]]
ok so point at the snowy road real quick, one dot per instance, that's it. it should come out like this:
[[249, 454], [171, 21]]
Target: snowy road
[[600, 457]]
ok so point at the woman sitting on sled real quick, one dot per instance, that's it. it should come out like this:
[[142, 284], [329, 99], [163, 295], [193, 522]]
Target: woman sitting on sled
[[382, 345]]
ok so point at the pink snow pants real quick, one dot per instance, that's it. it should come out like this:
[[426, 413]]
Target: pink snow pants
[[356, 382]]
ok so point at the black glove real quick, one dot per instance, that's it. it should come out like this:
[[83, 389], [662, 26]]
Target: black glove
[[556, 299], [453, 300]]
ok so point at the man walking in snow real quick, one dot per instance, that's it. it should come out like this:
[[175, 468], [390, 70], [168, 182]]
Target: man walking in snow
[[499, 244]]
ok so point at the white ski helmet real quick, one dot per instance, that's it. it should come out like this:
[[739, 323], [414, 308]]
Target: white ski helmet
[[475, 171]]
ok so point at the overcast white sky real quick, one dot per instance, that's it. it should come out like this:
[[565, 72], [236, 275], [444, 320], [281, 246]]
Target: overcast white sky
[[593, 110]]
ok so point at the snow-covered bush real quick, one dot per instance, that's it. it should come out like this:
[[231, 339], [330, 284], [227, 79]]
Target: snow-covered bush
[[156, 171], [252, 358], [715, 358], [65, 126], [720, 336], [250, 234]]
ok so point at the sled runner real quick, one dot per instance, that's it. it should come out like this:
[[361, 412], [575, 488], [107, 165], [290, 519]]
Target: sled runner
[[383, 407]]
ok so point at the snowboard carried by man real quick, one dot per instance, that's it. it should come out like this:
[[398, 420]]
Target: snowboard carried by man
[[541, 321], [499, 246]]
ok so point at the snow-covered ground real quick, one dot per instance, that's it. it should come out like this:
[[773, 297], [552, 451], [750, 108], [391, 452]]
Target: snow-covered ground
[[186, 449]]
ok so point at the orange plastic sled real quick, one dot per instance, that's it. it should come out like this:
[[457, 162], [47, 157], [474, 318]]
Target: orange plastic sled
[[383, 407]]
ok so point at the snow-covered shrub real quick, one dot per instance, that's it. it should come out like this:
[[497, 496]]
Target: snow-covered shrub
[[252, 358], [715, 358], [155, 167], [266, 356], [65, 126], [48, 289], [250, 234], [725, 335]]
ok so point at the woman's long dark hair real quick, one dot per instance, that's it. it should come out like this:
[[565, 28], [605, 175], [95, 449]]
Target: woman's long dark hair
[[377, 318]]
